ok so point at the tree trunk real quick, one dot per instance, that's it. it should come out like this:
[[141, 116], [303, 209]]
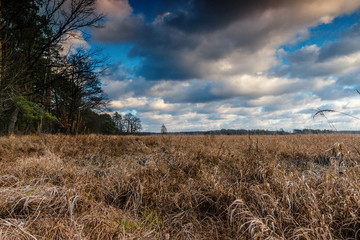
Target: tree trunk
[[12, 121], [1, 62], [40, 124]]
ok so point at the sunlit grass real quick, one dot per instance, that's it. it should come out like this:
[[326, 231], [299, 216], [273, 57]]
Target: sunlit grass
[[180, 187]]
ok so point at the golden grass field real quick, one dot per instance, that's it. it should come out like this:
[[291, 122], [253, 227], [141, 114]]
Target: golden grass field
[[180, 187]]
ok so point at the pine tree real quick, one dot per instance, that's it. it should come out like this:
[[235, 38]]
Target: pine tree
[[163, 129]]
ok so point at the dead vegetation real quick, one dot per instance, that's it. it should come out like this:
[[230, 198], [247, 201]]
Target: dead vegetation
[[180, 187]]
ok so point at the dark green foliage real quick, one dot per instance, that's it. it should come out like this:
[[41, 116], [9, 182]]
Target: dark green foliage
[[107, 126], [32, 111]]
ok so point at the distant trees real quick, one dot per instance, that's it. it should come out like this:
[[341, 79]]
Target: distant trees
[[127, 124], [115, 124], [131, 123], [311, 131], [163, 129], [118, 123]]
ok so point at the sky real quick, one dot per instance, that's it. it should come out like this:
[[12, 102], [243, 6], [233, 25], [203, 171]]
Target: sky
[[207, 65]]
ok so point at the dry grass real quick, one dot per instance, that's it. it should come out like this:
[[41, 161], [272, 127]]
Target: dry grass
[[180, 187]]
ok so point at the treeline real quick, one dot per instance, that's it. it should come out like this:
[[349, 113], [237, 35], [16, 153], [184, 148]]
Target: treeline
[[226, 132], [122, 124], [115, 124], [45, 87], [268, 132], [255, 132], [312, 131]]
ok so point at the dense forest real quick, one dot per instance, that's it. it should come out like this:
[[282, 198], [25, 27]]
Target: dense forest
[[44, 87]]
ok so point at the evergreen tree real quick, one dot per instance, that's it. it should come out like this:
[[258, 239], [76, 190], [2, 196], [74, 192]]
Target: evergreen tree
[[163, 129]]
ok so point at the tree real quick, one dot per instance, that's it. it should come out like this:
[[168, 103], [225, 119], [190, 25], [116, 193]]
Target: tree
[[31, 33], [136, 125], [77, 87], [22, 31], [32, 115], [132, 124], [163, 129], [118, 121], [128, 122], [107, 126]]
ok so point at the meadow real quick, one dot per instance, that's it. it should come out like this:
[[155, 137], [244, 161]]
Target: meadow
[[180, 187]]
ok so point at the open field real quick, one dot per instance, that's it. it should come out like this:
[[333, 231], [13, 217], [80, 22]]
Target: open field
[[180, 187]]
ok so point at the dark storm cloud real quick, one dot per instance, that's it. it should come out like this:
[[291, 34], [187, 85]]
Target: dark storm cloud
[[154, 69], [168, 48], [160, 50], [158, 46], [186, 40], [205, 16]]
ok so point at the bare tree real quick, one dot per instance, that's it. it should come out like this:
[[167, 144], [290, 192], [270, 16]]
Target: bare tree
[[78, 87], [119, 122], [136, 125], [132, 123]]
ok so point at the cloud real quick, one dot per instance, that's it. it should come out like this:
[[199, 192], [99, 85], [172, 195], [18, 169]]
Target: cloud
[[160, 105], [246, 87], [350, 79], [128, 103], [217, 64], [339, 58], [256, 86], [348, 43], [288, 111], [73, 40], [339, 49], [206, 16], [353, 104], [330, 60], [208, 39], [304, 55], [114, 9]]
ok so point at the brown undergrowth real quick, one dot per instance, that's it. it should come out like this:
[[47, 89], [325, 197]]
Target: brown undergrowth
[[180, 187]]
